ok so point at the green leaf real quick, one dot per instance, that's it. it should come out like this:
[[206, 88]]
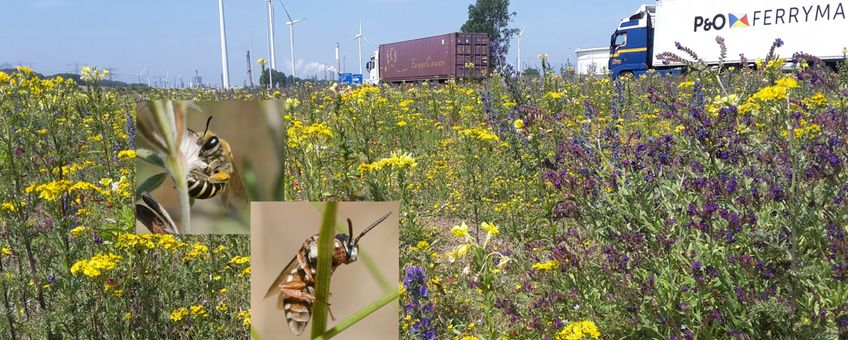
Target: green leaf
[[150, 184], [149, 157]]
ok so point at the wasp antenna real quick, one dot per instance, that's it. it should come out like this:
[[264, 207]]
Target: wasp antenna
[[367, 229], [207, 125], [349, 229]]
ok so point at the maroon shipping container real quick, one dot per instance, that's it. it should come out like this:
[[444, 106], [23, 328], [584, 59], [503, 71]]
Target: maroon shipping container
[[435, 58]]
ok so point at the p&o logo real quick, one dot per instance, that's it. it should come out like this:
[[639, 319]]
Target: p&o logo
[[720, 21]]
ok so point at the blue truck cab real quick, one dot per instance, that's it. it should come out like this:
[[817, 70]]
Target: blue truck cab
[[630, 45]]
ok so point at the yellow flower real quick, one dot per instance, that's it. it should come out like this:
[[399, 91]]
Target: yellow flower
[[8, 206], [518, 124], [554, 95], [462, 250], [460, 231], [678, 129], [240, 259], [76, 232], [490, 229], [198, 310], [221, 307], [546, 266], [577, 329], [6, 251], [127, 315], [470, 337], [198, 250], [179, 314], [94, 266], [127, 154], [245, 316], [397, 161]]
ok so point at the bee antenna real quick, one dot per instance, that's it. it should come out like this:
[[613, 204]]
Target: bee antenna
[[367, 229], [207, 125], [349, 229]]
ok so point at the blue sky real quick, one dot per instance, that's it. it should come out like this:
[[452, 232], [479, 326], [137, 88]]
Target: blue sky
[[178, 37]]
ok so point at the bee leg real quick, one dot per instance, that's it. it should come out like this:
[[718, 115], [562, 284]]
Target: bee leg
[[294, 290], [220, 177], [328, 308], [301, 261]]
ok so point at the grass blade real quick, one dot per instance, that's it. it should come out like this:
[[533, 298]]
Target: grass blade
[[325, 266], [361, 314]]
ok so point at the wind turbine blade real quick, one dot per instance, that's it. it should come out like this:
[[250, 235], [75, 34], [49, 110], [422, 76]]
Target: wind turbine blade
[[284, 9], [366, 39]]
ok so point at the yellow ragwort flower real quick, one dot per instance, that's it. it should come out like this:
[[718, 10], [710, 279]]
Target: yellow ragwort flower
[[460, 231]]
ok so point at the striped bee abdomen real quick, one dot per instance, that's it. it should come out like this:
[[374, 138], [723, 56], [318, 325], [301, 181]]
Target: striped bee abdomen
[[201, 189]]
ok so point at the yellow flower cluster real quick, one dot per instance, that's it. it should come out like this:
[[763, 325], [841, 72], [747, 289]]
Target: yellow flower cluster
[[76, 232], [397, 161], [245, 317], [92, 73], [777, 92], [198, 311], [52, 190], [8, 206], [126, 154], [554, 95], [179, 314], [479, 133], [576, 330], [239, 260], [546, 266], [69, 170], [806, 129], [94, 266], [299, 134], [197, 251]]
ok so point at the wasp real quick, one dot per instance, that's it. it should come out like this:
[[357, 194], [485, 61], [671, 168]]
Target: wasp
[[212, 169], [153, 216], [295, 285]]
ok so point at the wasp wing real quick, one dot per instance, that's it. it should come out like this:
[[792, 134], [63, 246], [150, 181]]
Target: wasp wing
[[153, 216], [284, 276]]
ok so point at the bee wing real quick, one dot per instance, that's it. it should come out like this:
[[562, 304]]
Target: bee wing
[[235, 186], [282, 278], [153, 216]]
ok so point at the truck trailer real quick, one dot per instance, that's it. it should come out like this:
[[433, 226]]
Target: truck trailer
[[441, 57], [749, 28]]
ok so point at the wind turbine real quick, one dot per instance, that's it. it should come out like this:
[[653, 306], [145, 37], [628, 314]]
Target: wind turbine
[[518, 61], [271, 43], [359, 36], [291, 23], [225, 82]]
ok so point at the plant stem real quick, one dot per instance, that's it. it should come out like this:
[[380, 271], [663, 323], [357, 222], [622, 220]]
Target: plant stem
[[361, 314], [325, 267]]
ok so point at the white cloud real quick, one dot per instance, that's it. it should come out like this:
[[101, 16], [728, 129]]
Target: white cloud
[[308, 69]]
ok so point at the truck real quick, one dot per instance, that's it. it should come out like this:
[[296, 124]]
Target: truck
[[749, 27], [436, 58]]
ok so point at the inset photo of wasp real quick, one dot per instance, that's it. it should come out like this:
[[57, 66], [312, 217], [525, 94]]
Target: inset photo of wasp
[[284, 267], [231, 156]]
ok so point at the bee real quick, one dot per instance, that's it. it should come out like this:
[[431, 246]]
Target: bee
[[212, 170], [153, 216], [295, 285]]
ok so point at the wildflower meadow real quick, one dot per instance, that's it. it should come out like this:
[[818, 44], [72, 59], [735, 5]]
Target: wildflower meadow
[[707, 205]]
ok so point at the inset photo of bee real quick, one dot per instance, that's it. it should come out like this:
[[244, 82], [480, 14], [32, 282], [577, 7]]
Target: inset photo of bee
[[284, 278], [199, 164]]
